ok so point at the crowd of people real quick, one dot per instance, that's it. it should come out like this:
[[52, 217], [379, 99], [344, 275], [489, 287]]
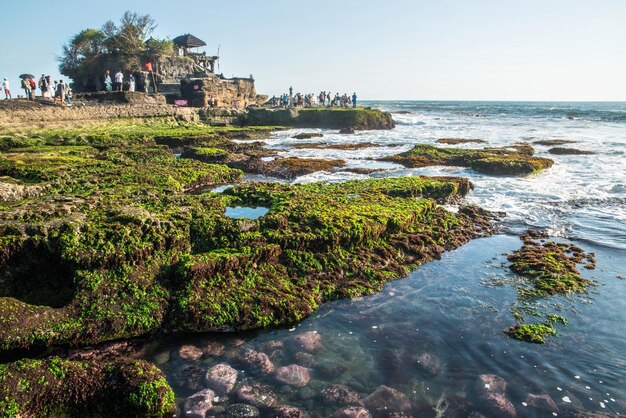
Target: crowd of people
[[57, 91], [118, 85], [310, 100]]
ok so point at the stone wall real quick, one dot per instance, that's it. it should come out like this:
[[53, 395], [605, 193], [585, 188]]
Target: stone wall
[[21, 114]]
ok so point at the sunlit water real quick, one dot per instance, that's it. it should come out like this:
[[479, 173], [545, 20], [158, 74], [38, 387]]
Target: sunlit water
[[456, 308]]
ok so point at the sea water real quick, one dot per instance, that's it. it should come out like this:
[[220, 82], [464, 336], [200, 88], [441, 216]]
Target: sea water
[[455, 309]]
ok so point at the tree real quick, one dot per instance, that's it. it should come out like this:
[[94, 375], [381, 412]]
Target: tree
[[120, 47]]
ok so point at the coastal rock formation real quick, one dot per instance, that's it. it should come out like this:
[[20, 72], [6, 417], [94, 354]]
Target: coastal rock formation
[[118, 246], [74, 388], [569, 151], [330, 118], [515, 160], [456, 141]]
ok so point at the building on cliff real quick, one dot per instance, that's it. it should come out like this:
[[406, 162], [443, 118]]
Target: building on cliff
[[190, 76]]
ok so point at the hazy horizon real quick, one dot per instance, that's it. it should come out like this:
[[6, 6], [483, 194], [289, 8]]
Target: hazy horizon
[[486, 50]]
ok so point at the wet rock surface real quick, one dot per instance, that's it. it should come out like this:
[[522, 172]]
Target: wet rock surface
[[293, 375], [259, 395], [352, 412], [385, 400], [221, 378], [197, 405], [340, 395]]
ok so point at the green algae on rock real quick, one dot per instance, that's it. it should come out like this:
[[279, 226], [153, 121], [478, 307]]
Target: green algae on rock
[[514, 160], [456, 141], [569, 151], [58, 387], [548, 268], [131, 245], [361, 118]]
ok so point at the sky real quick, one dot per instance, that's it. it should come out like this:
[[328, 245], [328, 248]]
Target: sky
[[550, 50]]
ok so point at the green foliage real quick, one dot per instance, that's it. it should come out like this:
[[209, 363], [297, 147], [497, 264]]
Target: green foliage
[[124, 46], [532, 333]]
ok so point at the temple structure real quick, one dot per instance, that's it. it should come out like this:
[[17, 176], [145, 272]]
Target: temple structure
[[189, 78]]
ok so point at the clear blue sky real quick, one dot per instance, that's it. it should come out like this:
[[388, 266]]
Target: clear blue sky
[[392, 49]]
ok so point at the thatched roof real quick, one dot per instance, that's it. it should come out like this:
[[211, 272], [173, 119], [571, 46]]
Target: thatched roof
[[188, 41]]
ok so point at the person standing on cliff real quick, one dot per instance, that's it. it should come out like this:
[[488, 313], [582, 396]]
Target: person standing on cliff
[[354, 100], [108, 84], [290, 91], [60, 92], [119, 80], [131, 82], [43, 86]]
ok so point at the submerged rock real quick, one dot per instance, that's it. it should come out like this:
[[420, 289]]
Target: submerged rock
[[285, 411], [258, 395], [241, 410], [304, 359], [491, 390], [542, 402], [190, 377], [330, 369], [339, 395], [197, 405], [310, 342], [352, 412], [190, 352], [256, 360], [293, 375], [427, 363], [221, 378], [385, 400], [346, 131]]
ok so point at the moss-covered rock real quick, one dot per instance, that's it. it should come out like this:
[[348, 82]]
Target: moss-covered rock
[[515, 160], [547, 268], [569, 151], [457, 141], [57, 387], [361, 118], [550, 268]]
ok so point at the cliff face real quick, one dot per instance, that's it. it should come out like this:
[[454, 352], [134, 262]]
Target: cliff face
[[237, 92], [331, 118]]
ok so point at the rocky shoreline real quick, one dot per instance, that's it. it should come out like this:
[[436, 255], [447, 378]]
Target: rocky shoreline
[[107, 236]]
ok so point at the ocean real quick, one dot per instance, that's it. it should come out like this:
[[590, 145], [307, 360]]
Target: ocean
[[452, 311]]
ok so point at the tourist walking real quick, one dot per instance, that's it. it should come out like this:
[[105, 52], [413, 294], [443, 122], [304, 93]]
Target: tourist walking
[[108, 84], [131, 82], [60, 93], [7, 89], [354, 100], [26, 88], [119, 80], [33, 88], [43, 86]]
